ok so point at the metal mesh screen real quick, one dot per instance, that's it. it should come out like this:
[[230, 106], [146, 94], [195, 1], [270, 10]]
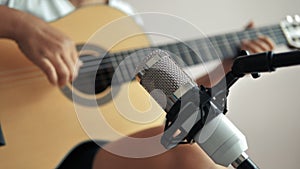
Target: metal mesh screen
[[164, 75]]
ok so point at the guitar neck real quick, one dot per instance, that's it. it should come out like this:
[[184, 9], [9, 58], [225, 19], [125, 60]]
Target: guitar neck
[[193, 52], [221, 46]]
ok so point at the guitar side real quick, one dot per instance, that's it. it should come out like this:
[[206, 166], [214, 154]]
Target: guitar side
[[40, 123]]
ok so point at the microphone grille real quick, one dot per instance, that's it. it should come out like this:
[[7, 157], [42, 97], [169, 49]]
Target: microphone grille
[[161, 72]]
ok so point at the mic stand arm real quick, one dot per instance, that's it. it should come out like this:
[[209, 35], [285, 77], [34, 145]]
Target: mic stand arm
[[245, 64]]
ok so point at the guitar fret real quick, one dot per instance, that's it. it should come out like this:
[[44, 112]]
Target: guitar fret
[[249, 34], [216, 47], [279, 36], [202, 50], [134, 61], [126, 71], [165, 47], [184, 52], [194, 53], [236, 40], [195, 50], [106, 65], [230, 47], [115, 65], [233, 42], [124, 66], [188, 60], [273, 35], [254, 33], [220, 43], [208, 50], [275, 38], [133, 64], [243, 35], [225, 47], [176, 50], [189, 53]]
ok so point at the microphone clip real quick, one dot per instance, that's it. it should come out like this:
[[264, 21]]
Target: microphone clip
[[189, 114]]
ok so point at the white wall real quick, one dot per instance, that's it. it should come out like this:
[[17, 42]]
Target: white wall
[[266, 110]]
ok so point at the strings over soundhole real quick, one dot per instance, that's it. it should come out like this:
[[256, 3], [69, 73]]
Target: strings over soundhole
[[94, 76]]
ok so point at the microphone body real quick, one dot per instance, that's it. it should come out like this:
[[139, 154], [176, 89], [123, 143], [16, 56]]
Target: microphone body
[[173, 90]]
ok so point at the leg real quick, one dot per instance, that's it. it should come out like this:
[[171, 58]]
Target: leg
[[82, 156], [182, 156]]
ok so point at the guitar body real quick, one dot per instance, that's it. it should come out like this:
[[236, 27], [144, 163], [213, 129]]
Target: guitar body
[[41, 124]]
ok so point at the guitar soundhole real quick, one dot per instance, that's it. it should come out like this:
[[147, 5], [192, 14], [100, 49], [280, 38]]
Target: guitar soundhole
[[95, 74], [91, 80]]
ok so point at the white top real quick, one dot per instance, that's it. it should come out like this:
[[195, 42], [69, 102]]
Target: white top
[[44, 9], [50, 10]]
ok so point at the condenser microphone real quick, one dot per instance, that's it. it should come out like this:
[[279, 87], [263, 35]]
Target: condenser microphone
[[175, 91]]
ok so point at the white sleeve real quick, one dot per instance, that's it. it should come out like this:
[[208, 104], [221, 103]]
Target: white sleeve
[[126, 8], [47, 10], [3, 2]]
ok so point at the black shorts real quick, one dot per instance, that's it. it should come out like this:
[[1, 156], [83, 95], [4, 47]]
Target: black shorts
[[82, 156]]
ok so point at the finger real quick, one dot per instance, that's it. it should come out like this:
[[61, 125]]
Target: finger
[[63, 72], [67, 59], [261, 46], [250, 25], [46, 66], [61, 69], [250, 46], [77, 63], [268, 41], [77, 66], [74, 53]]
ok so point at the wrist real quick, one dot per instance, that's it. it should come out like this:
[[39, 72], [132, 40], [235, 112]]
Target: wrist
[[18, 27], [12, 20], [227, 64]]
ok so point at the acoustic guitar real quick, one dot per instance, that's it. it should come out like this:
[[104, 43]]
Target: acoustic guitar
[[42, 123]]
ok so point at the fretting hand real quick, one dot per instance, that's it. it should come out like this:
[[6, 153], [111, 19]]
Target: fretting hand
[[260, 44]]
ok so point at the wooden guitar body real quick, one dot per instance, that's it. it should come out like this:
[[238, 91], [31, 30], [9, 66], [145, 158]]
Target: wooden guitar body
[[41, 124]]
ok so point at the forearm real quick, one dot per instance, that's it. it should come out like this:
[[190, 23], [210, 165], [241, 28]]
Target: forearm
[[213, 77], [9, 19]]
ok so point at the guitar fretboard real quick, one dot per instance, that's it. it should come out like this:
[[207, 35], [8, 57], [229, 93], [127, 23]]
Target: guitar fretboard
[[192, 52], [221, 46]]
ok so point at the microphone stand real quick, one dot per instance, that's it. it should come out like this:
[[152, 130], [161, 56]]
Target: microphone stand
[[254, 65], [243, 161], [213, 101]]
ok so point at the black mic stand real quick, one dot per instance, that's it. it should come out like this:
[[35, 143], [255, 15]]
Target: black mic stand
[[243, 161], [209, 101], [254, 65], [214, 100]]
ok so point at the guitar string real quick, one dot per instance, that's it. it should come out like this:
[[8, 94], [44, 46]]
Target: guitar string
[[106, 64], [96, 67], [222, 44], [218, 43]]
